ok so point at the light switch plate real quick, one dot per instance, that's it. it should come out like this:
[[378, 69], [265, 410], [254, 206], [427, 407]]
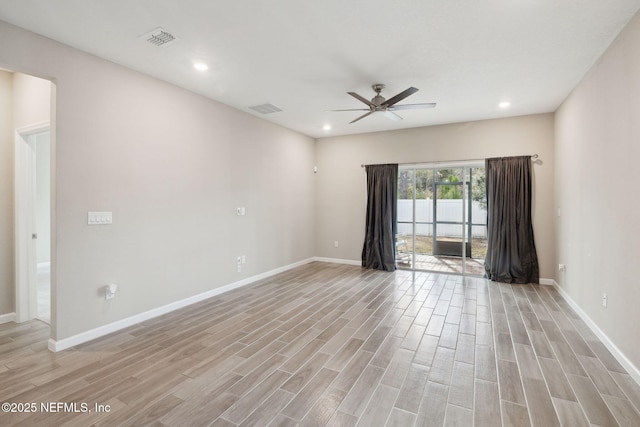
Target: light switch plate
[[99, 218]]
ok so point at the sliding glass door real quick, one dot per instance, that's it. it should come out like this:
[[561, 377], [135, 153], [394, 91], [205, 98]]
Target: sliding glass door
[[442, 219]]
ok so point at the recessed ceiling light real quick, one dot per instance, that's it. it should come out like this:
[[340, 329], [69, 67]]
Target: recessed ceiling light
[[326, 127], [200, 66], [504, 104]]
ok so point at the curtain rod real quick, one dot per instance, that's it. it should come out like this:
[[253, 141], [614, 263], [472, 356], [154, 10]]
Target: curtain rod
[[533, 156]]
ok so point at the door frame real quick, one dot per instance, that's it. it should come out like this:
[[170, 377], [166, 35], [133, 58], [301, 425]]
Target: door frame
[[24, 222]]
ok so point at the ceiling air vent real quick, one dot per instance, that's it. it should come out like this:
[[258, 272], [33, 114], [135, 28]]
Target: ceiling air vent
[[265, 108], [159, 37]]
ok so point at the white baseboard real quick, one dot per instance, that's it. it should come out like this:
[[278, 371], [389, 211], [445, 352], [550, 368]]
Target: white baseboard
[[615, 351], [6, 318], [548, 282], [101, 331], [338, 261]]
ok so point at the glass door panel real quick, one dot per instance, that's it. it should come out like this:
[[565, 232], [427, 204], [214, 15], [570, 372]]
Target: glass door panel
[[404, 237], [477, 220]]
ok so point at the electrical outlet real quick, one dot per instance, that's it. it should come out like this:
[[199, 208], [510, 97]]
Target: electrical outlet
[[335, 244], [110, 291], [562, 267], [605, 299]]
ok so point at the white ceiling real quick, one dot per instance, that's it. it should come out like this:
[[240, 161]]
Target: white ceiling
[[304, 55]]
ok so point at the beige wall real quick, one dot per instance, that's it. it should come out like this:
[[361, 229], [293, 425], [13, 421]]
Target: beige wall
[[172, 166], [7, 298], [341, 184], [597, 153], [31, 100]]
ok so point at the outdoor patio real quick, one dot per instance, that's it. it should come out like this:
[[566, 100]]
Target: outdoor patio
[[425, 260]]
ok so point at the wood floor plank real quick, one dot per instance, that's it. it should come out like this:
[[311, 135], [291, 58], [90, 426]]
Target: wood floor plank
[[601, 377], [557, 381], [268, 410], [335, 345], [433, 406], [570, 413], [398, 368], [539, 403], [301, 377], [592, 402], [630, 387], [357, 398], [510, 382], [623, 411], [457, 416], [461, 391], [487, 404], [307, 397], [486, 363], [514, 415], [412, 389], [400, 418], [324, 409]]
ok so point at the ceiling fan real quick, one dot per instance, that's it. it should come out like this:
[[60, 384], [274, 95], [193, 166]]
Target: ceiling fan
[[387, 106]]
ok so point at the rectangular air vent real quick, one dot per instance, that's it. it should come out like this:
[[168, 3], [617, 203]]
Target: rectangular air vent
[[159, 37], [265, 108]]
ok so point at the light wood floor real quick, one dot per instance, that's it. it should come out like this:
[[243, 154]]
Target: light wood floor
[[335, 345]]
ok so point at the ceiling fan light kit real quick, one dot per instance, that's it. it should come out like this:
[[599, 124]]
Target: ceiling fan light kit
[[387, 106]]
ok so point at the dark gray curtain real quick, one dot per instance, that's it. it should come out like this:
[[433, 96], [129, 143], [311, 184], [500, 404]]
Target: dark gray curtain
[[511, 250], [379, 250]]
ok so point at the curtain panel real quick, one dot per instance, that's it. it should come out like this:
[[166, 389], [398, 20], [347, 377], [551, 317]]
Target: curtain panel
[[511, 250], [379, 249]]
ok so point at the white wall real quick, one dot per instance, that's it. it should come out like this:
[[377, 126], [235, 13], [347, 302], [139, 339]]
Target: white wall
[[172, 166], [597, 153], [341, 184], [7, 278]]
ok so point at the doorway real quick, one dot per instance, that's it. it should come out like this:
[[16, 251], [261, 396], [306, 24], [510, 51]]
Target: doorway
[[33, 223], [442, 223]]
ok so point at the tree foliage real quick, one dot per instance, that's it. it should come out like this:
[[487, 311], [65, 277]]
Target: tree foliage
[[420, 182]]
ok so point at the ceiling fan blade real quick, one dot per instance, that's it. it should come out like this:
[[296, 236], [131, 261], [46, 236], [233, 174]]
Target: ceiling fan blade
[[363, 99], [399, 97], [361, 117], [353, 109], [393, 116], [413, 106]]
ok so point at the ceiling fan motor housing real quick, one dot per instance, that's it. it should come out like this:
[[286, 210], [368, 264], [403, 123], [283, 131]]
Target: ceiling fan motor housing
[[378, 99]]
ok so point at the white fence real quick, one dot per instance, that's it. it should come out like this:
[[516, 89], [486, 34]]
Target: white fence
[[448, 210]]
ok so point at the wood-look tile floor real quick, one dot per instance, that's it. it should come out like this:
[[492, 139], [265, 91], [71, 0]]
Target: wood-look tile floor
[[333, 345]]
